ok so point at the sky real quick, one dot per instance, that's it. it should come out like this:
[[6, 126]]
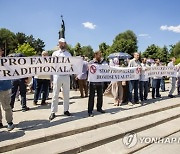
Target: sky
[[91, 22]]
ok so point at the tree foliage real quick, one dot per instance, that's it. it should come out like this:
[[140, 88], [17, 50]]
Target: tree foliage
[[77, 49], [70, 49], [87, 51], [10, 41], [26, 49], [164, 55], [123, 42], [172, 46], [152, 51], [7, 40], [20, 38], [38, 44], [176, 50], [103, 48]]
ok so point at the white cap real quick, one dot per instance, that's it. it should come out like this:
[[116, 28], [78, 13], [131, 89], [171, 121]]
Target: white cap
[[62, 40]]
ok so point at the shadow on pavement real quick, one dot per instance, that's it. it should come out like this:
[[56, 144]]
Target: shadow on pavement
[[5, 135], [41, 124]]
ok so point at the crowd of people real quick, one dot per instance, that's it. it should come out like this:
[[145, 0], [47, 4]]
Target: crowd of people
[[122, 92]]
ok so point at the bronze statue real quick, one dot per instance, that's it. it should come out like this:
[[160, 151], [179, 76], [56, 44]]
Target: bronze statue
[[62, 31]]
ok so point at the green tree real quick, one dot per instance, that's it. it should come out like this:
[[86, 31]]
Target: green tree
[[172, 46], [77, 49], [20, 38], [87, 51], [10, 41], [26, 49], [176, 50], [7, 40], [164, 55], [38, 44], [124, 42], [103, 48], [50, 52], [152, 51], [70, 49], [127, 35]]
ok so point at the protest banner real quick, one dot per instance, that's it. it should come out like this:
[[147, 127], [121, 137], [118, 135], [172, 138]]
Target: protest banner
[[101, 73], [20, 67], [160, 71]]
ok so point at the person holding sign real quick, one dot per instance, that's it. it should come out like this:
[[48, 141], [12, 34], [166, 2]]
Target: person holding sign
[[115, 88], [42, 85], [96, 86], [133, 84], [5, 99], [60, 81], [178, 78], [144, 81], [156, 81], [21, 85], [172, 79], [82, 79]]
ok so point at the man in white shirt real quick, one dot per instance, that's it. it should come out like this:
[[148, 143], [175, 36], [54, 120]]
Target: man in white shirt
[[60, 81], [156, 82], [133, 84], [172, 79], [143, 84]]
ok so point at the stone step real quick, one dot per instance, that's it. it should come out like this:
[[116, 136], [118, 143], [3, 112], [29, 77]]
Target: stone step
[[22, 137], [160, 131], [102, 135]]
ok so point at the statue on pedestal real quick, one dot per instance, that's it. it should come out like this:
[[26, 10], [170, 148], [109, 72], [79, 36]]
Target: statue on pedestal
[[62, 30]]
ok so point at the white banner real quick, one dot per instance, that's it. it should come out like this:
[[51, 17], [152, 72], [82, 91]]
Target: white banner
[[159, 71], [101, 73], [20, 67]]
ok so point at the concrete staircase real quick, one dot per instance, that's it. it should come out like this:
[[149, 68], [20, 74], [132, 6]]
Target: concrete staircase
[[102, 133]]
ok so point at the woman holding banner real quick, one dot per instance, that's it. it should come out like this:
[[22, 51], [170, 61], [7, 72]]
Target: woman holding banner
[[115, 88]]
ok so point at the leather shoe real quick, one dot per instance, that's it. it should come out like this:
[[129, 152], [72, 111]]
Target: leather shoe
[[35, 103], [1, 125], [91, 115], [101, 111], [67, 113], [52, 116], [25, 109], [171, 96], [43, 103], [159, 96]]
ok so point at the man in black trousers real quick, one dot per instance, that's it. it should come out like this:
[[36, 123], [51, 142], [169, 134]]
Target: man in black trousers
[[96, 86], [20, 84]]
